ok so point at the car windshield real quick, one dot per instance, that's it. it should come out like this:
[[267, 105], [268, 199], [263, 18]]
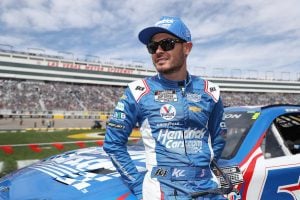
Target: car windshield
[[238, 125]]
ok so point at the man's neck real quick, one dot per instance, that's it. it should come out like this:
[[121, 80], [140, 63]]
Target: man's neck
[[176, 76]]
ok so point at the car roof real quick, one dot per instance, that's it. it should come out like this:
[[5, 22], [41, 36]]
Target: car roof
[[258, 108]]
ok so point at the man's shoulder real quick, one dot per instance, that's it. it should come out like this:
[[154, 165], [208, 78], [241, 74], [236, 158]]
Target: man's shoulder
[[212, 89], [209, 87], [139, 88]]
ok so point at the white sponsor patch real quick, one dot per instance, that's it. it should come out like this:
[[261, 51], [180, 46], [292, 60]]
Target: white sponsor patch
[[193, 97], [168, 111], [213, 90], [120, 106], [138, 89]]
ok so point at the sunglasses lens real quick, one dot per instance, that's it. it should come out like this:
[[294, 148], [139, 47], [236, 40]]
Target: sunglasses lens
[[167, 44], [152, 47]]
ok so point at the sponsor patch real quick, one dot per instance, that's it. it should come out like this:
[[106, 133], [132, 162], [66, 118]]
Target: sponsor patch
[[180, 173], [165, 96], [212, 90], [138, 88], [167, 111], [114, 125], [120, 106], [173, 139], [193, 97], [161, 172], [195, 109], [168, 124], [119, 115]]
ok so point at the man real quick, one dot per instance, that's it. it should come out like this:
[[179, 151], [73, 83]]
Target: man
[[180, 118]]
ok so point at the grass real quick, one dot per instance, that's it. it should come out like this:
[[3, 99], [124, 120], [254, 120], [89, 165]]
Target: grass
[[24, 152], [40, 137]]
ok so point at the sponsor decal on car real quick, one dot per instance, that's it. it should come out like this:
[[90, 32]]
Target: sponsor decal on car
[[292, 189]]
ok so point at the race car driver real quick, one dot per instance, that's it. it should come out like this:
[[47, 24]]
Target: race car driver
[[180, 116]]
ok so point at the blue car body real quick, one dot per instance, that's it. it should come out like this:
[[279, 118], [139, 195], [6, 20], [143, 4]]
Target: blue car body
[[265, 141]]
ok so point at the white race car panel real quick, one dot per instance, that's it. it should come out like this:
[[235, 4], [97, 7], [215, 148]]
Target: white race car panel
[[270, 177]]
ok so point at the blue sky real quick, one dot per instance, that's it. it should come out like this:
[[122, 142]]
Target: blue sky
[[230, 37]]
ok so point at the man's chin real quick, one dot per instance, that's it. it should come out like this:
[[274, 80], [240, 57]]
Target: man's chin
[[162, 69], [166, 71]]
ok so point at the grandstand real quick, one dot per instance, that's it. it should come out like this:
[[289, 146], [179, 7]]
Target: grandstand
[[37, 85]]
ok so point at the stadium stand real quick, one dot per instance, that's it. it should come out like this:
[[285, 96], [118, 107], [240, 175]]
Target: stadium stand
[[28, 95], [24, 95]]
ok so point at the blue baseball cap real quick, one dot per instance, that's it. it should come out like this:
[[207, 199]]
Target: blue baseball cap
[[171, 25]]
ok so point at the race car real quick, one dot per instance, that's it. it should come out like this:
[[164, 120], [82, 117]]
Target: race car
[[262, 141], [265, 141]]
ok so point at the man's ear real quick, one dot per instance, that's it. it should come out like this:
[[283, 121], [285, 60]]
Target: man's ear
[[187, 48]]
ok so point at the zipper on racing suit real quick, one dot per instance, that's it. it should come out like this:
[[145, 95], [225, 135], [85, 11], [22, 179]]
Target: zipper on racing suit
[[182, 85]]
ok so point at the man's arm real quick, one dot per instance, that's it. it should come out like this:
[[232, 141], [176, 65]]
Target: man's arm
[[217, 128], [118, 129]]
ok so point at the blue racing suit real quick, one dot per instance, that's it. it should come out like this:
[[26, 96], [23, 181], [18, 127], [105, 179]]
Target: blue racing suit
[[182, 128]]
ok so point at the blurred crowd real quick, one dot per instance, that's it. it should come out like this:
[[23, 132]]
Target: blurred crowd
[[259, 98], [29, 95], [50, 96]]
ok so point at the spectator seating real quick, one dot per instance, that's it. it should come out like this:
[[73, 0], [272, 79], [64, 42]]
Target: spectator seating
[[29, 95]]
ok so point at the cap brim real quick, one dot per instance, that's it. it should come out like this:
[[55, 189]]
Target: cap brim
[[146, 34]]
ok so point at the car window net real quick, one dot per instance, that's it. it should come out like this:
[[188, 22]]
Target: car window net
[[238, 124]]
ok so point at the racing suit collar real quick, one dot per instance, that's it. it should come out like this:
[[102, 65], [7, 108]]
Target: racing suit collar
[[175, 84]]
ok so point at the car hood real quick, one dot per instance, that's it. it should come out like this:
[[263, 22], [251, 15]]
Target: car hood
[[81, 174]]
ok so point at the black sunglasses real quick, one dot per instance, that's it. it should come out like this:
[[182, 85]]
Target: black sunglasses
[[166, 45]]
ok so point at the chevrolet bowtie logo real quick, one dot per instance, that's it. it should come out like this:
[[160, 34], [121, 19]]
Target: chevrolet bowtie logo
[[195, 109]]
